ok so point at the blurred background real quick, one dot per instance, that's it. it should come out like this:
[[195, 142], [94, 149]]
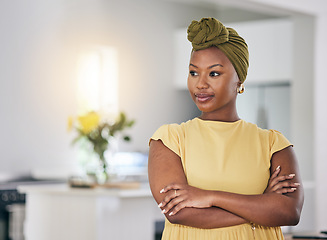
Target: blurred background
[[49, 50]]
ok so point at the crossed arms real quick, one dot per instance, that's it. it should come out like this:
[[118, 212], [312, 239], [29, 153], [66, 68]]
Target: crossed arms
[[279, 205]]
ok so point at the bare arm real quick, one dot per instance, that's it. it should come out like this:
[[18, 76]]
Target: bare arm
[[269, 209], [165, 167]]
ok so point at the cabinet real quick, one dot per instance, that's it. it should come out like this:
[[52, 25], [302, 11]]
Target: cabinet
[[268, 106], [60, 212], [266, 100], [270, 49]]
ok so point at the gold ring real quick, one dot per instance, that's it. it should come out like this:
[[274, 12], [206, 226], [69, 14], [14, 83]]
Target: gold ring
[[175, 193]]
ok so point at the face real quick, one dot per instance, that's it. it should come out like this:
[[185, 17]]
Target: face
[[212, 81]]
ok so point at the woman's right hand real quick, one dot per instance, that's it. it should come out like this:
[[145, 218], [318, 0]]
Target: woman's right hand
[[281, 184]]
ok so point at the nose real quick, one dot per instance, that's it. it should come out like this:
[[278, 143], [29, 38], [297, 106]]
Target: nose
[[202, 83]]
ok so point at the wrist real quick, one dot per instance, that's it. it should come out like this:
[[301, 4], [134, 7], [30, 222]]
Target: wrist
[[212, 198]]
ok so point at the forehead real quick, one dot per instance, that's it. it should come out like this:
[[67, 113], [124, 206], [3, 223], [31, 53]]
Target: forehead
[[208, 57]]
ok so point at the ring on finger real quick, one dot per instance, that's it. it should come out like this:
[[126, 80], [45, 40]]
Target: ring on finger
[[175, 193]]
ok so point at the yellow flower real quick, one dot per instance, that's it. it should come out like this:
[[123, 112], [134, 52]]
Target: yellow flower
[[89, 122]]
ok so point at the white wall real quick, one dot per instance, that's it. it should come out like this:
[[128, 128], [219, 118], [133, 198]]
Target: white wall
[[36, 91], [40, 44], [318, 10], [320, 116], [302, 118]]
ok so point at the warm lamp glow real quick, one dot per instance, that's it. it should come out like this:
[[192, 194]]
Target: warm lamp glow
[[98, 81]]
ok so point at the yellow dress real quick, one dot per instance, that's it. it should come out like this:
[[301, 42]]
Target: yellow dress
[[223, 156]]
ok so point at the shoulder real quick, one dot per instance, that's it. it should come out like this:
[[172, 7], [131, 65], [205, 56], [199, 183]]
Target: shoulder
[[253, 129], [269, 136], [268, 133], [170, 129], [273, 139], [172, 136], [174, 128], [174, 133], [273, 136]]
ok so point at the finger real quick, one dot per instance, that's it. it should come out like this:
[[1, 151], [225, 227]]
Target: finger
[[173, 186], [167, 199], [286, 190], [178, 207], [275, 173], [172, 204], [290, 190], [278, 179], [294, 185], [284, 177], [285, 185]]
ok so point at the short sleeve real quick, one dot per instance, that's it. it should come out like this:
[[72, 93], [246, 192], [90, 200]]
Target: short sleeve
[[277, 142], [170, 135]]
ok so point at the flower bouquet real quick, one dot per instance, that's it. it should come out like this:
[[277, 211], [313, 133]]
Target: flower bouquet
[[99, 131]]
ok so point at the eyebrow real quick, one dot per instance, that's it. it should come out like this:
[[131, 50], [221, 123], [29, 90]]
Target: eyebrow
[[215, 65]]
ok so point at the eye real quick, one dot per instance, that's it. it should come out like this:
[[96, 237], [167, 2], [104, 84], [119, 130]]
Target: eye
[[214, 74], [193, 73]]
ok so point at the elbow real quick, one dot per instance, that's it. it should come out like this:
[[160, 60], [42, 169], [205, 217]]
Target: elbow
[[284, 219], [288, 216], [295, 213], [175, 219], [295, 222], [182, 217], [294, 219], [291, 213]]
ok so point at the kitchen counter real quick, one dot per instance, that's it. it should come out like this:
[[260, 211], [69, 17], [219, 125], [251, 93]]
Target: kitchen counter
[[61, 212], [65, 189]]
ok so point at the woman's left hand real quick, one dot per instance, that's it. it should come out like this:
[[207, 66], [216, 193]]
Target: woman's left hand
[[281, 184], [180, 196]]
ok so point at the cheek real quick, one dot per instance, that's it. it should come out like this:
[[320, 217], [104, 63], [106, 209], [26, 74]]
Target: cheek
[[233, 88], [189, 85], [225, 89], [191, 88], [231, 85]]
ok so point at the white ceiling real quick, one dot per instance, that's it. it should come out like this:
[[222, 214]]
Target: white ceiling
[[271, 8]]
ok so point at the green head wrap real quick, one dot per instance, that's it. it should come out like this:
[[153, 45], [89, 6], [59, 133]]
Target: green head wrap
[[210, 32]]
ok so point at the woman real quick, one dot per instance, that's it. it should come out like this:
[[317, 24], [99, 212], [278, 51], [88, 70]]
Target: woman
[[217, 176]]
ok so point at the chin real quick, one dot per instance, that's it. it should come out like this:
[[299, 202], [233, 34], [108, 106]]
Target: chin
[[204, 109]]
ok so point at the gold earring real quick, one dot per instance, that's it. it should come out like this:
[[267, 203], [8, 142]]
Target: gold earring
[[241, 89]]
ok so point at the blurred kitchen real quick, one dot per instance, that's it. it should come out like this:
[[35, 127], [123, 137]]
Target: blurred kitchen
[[140, 47]]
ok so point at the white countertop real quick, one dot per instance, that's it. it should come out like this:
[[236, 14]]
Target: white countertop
[[65, 189]]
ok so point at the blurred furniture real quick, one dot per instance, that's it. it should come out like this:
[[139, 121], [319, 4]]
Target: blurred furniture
[[12, 203], [59, 212], [305, 236]]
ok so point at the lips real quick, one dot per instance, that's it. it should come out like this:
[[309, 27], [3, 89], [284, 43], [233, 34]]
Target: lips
[[203, 97]]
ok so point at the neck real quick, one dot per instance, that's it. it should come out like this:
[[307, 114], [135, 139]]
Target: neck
[[222, 116]]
